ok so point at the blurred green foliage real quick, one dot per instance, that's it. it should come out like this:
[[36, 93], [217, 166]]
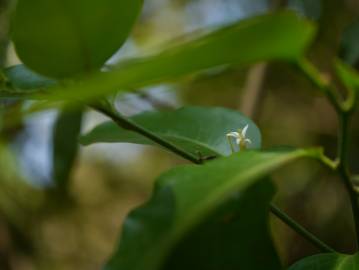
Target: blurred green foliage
[[39, 231], [62, 39]]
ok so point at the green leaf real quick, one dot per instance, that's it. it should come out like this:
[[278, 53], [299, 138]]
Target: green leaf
[[65, 142], [61, 38], [280, 36], [194, 129], [20, 78], [332, 261], [348, 75], [350, 79], [184, 198], [228, 239]]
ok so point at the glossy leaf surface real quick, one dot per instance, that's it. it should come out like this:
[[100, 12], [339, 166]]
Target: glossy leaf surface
[[198, 130], [183, 198], [228, 239], [332, 261]]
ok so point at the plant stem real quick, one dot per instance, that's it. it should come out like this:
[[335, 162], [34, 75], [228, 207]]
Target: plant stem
[[344, 111], [344, 120], [300, 229], [231, 144], [319, 81], [130, 125]]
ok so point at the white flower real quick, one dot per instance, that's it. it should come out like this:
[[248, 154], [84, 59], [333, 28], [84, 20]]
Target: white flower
[[240, 138]]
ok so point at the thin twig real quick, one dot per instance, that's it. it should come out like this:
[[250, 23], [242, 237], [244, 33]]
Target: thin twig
[[344, 111], [130, 125], [300, 229], [344, 120], [320, 81]]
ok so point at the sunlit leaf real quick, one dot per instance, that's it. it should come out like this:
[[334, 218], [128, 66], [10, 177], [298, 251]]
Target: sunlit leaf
[[182, 200], [199, 130], [332, 261], [281, 36], [63, 38]]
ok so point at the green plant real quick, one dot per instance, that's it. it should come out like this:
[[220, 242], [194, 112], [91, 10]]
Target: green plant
[[212, 214]]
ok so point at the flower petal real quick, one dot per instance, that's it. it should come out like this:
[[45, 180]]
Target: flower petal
[[233, 134], [244, 131]]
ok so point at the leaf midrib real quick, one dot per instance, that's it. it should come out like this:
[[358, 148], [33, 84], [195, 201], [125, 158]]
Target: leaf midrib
[[187, 139], [165, 135], [343, 261], [200, 209]]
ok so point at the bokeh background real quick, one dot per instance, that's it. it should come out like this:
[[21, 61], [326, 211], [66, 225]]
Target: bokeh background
[[40, 231]]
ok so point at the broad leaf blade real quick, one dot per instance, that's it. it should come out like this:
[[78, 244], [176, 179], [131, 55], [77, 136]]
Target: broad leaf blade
[[198, 130], [20, 78], [183, 198], [332, 261], [65, 146], [229, 238], [281, 36], [63, 38]]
